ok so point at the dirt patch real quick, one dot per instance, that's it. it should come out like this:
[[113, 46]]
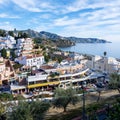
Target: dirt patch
[[89, 98]]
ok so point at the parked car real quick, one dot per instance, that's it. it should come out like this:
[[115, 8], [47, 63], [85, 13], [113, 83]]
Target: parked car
[[100, 85], [90, 89]]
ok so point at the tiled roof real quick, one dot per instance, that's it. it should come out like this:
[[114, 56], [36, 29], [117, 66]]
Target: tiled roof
[[33, 56], [46, 67]]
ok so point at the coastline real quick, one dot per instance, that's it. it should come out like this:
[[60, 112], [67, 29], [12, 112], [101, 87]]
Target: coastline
[[95, 49]]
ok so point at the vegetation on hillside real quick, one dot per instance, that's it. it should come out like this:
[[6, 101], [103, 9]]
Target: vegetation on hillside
[[17, 66], [114, 82], [3, 52], [64, 97], [34, 110], [2, 33]]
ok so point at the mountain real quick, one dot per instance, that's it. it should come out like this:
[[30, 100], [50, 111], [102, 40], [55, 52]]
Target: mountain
[[87, 40], [42, 34], [58, 40], [54, 37]]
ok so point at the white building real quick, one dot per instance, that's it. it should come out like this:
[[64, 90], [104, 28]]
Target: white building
[[7, 42], [28, 44], [20, 42], [104, 64], [76, 56], [19, 46], [24, 46], [36, 60]]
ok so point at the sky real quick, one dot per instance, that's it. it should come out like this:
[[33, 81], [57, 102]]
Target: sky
[[79, 18]]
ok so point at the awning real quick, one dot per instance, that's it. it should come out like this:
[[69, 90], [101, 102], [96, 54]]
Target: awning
[[43, 84]]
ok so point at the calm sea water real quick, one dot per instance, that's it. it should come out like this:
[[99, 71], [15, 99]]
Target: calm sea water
[[112, 49]]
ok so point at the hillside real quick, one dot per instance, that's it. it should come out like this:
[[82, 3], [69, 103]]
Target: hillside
[[52, 36], [60, 41]]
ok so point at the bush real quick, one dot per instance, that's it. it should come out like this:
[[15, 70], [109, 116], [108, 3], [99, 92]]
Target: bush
[[17, 65], [6, 97]]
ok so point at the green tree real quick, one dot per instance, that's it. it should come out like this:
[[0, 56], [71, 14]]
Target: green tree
[[36, 46], [46, 58], [3, 53], [2, 111], [114, 111], [2, 33], [19, 97], [11, 33], [17, 66], [13, 55], [38, 109], [25, 35], [19, 34], [114, 82], [92, 111], [60, 59], [54, 74], [64, 97], [34, 110], [6, 97], [37, 40], [20, 112]]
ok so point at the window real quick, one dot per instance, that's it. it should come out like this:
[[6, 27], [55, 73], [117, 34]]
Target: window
[[34, 60], [31, 83]]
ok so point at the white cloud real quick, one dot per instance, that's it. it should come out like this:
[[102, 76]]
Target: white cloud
[[75, 6], [6, 25], [4, 15], [45, 27], [81, 18], [82, 32], [108, 31], [102, 21], [78, 5], [2, 1], [27, 4], [105, 13], [33, 5], [45, 16], [33, 21], [65, 21]]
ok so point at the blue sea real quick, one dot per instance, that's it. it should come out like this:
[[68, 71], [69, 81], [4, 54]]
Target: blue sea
[[112, 49]]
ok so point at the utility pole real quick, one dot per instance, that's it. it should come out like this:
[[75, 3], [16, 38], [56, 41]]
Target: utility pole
[[83, 110]]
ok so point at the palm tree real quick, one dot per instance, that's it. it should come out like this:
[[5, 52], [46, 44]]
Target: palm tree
[[105, 53], [64, 97], [114, 82]]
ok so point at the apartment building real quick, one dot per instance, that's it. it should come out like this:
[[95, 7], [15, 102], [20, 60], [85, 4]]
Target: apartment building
[[24, 46], [6, 71], [31, 60]]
